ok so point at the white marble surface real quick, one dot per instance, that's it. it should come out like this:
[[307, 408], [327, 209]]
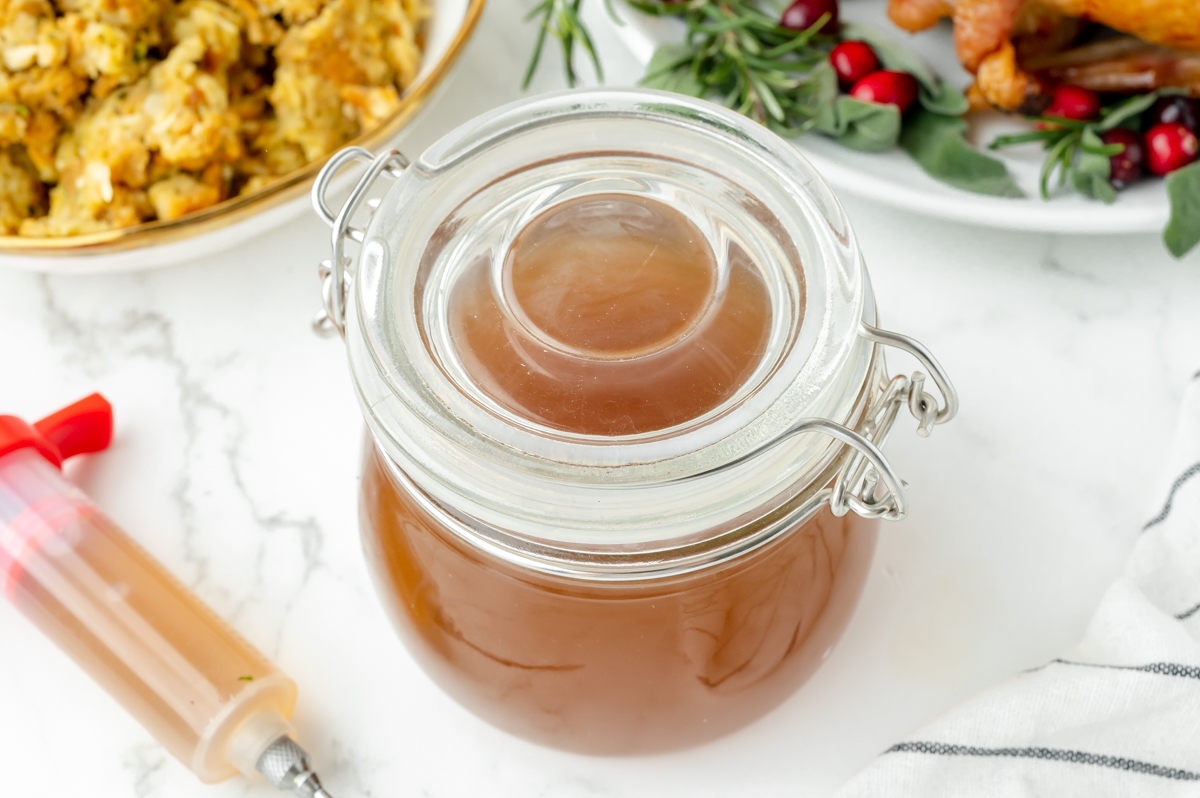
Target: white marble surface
[[235, 462]]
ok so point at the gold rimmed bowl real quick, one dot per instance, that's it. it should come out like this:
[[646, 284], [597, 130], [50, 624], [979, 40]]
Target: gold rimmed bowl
[[229, 223]]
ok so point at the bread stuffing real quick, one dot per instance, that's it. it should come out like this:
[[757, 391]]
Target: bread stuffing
[[117, 112]]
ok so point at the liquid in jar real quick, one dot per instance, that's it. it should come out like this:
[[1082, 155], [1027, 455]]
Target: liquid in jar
[[611, 317], [612, 667]]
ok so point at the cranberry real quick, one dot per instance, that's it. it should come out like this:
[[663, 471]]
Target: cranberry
[[803, 14], [1072, 102], [853, 61], [1169, 146], [887, 86], [1126, 166], [1176, 109]]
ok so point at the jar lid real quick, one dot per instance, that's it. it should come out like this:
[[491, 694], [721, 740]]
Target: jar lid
[[469, 195]]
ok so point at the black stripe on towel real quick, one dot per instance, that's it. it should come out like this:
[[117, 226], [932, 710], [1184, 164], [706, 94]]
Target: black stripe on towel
[[1163, 668], [1192, 470], [1050, 754], [1183, 616]]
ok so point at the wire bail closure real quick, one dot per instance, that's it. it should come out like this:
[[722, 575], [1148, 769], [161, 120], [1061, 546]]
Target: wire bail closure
[[335, 272], [857, 486]]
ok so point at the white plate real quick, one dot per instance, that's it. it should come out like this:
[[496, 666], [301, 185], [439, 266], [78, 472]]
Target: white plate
[[895, 179]]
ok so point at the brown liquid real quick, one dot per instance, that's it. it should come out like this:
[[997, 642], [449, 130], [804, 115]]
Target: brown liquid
[[611, 319], [613, 668]]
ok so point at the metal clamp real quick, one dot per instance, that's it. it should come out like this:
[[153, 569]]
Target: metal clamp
[[868, 484], [333, 272], [857, 486]]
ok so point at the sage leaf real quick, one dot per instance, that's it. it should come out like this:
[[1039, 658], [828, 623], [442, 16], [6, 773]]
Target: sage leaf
[[817, 98], [1183, 230], [893, 55], [860, 125], [939, 145], [869, 127], [948, 101]]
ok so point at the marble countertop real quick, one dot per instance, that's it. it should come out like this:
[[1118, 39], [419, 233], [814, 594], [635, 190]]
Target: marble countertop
[[236, 461]]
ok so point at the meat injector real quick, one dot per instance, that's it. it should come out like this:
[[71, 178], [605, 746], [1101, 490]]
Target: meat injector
[[213, 700]]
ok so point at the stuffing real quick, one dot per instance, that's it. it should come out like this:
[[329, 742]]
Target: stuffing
[[117, 112], [351, 44], [22, 195]]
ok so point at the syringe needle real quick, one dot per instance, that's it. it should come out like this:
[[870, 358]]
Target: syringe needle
[[285, 765]]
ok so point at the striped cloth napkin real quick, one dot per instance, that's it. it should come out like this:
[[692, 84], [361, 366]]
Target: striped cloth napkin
[[1118, 715]]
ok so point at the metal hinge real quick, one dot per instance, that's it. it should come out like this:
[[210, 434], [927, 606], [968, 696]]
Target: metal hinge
[[334, 271], [868, 484]]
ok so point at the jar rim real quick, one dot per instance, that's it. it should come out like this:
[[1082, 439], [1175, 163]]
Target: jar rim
[[543, 485]]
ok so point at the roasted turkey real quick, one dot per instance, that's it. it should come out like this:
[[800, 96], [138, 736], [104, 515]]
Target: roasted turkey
[[1017, 49]]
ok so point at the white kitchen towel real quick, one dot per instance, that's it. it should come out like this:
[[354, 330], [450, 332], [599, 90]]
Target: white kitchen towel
[[1118, 715]]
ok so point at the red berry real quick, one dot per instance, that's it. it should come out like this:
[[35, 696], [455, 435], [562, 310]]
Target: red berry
[[1072, 102], [1126, 166], [887, 86], [853, 61], [803, 14], [1176, 108], [1169, 146]]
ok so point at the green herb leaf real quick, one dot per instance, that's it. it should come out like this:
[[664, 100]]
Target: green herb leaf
[[1132, 107], [655, 8], [939, 145], [1183, 230], [1024, 138], [1091, 170], [539, 43], [560, 19], [948, 101], [870, 127], [580, 34], [800, 41], [670, 69], [893, 55], [817, 97], [1061, 151], [612, 13], [245, 678], [763, 88]]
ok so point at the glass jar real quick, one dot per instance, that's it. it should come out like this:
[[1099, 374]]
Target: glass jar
[[638, 589]]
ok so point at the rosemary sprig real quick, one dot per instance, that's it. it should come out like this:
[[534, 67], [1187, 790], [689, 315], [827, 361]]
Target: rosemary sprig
[[742, 56], [560, 19]]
